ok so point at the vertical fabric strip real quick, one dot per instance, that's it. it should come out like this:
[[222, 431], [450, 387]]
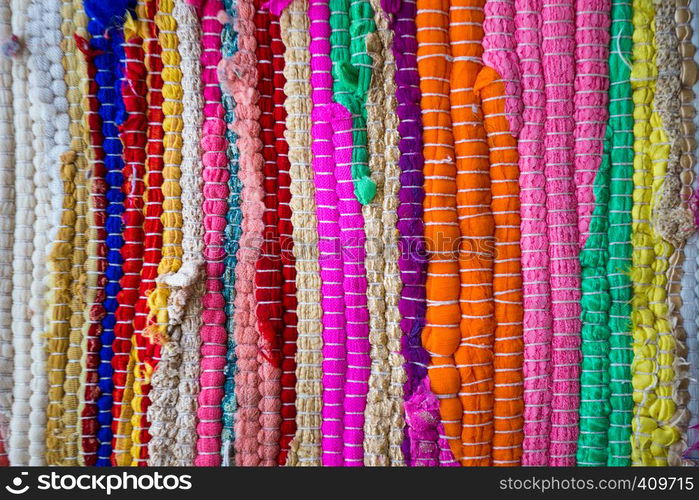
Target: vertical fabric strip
[[153, 226], [558, 42], [620, 133], [234, 219], [22, 245], [329, 249], [268, 268], [133, 135], [499, 90], [304, 449], [75, 22], [534, 242], [7, 222], [215, 173]]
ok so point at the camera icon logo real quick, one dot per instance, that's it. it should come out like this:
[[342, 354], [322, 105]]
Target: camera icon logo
[[16, 488]]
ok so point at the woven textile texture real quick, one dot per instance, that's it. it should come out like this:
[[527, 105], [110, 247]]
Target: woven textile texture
[[215, 191], [268, 268], [441, 335], [305, 447], [133, 136], [89, 389], [152, 224], [497, 85], [234, 218], [22, 246], [558, 41], [620, 133], [534, 237], [591, 115]]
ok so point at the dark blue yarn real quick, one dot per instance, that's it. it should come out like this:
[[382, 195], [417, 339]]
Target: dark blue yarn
[[105, 23]]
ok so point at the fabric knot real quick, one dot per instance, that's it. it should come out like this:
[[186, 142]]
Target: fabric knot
[[11, 46]]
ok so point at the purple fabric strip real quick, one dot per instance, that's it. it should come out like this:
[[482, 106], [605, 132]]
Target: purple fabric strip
[[330, 257]]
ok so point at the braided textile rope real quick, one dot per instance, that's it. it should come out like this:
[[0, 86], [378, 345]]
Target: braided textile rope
[[239, 77], [234, 218], [665, 187], [110, 70], [329, 250], [474, 355], [595, 305], [591, 86], [268, 267], [40, 37], [690, 290], [688, 145], [191, 273], [591, 55], [187, 284], [75, 22], [671, 217], [441, 335], [422, 444], [96, 262], [62, 171], [305, 447], [354, 284], [157, 332], [215, 206], [419, 445], [133, 134], [620, 138], [391, 273], [498, 87], [534, 242], [558, 41], [351, 70], [383, 129], [174, 385], [152, 224], [649, 251], [285, 227], [378, 410], [7, 222], [22, 245]]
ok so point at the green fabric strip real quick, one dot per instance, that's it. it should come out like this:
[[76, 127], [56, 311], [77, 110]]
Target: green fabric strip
[[595, 305], [620, 134], [606, 406], [351, 22]]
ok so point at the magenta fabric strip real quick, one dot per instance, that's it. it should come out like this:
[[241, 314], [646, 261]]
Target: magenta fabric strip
[[213, 332], [591, 89], [329, 255], [558, 48], [352, 238], [534, 238]]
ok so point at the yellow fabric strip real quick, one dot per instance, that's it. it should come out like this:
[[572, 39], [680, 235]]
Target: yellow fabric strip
[[75, 21]]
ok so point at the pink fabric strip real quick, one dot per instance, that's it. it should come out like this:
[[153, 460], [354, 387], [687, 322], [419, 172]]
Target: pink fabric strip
[[240, 72], [352, 238], [215, 173], [591, 89], [558, 47], [499, 53], [534, 238], [330, 257]]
